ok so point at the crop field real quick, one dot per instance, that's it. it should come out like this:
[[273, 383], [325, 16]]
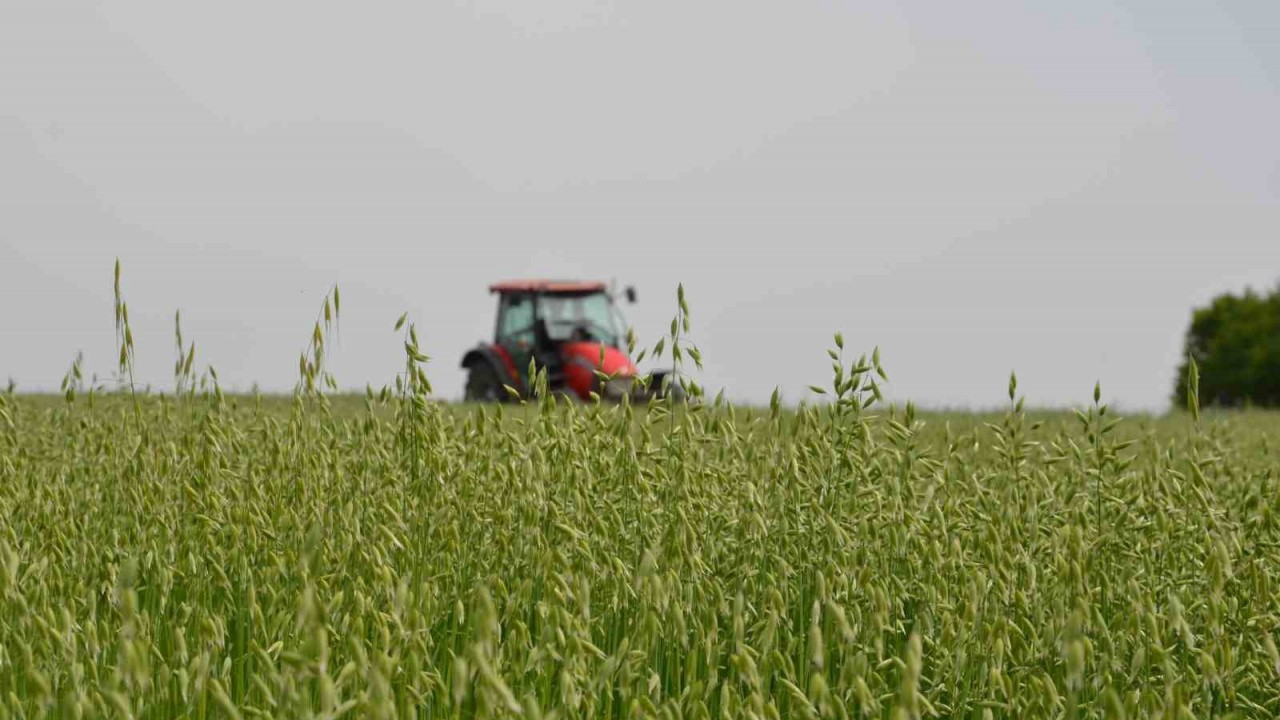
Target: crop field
[[200, 555]]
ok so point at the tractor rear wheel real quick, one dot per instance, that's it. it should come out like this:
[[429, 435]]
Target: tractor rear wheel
[[483, 384]]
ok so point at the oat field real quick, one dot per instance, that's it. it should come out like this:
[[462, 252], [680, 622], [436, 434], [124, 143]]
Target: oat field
[[200, 555]]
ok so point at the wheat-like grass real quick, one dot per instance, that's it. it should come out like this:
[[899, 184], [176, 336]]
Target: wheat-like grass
[[203, 556]]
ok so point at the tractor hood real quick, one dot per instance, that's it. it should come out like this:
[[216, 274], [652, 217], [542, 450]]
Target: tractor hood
[[582, 359]]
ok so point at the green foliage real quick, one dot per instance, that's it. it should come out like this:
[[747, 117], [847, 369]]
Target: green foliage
[[389, 556], [1235, 340], [410, 559]]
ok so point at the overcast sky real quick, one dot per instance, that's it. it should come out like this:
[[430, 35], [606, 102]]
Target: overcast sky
[[975, 187]]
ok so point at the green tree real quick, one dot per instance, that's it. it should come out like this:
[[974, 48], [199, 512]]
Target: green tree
[[1235, 341]]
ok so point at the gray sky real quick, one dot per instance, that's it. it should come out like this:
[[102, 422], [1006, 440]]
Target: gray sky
[[974, 187]]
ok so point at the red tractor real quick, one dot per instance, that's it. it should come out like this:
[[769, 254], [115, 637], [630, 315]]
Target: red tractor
[[572, 329]]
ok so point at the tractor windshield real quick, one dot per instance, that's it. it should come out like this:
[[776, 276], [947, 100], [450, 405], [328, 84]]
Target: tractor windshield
[[588, 316]]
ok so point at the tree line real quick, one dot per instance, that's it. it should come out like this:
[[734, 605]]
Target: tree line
[[1235, 341]]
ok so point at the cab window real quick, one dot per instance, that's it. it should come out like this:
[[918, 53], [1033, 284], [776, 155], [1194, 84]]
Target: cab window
[[516, 319]]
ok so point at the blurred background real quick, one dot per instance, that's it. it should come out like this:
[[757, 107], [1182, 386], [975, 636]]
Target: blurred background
[[974, 188]]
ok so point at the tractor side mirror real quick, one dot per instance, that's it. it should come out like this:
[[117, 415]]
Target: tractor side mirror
[[630, 292]]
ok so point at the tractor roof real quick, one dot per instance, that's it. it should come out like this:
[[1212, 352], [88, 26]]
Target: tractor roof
[[546, 286]]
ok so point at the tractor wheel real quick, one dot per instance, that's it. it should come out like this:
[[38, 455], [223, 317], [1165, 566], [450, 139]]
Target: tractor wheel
[[657, 393], [483, 384], [676, 390]]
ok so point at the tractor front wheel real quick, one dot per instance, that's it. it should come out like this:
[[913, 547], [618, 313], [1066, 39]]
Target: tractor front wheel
[[483, 384], [660, 387], [675, 390]]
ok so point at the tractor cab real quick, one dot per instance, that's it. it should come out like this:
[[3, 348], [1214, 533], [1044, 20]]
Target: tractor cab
[[571, 328]]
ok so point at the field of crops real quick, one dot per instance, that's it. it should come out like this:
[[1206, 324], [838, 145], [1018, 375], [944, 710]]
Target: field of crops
[[208, 556]]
